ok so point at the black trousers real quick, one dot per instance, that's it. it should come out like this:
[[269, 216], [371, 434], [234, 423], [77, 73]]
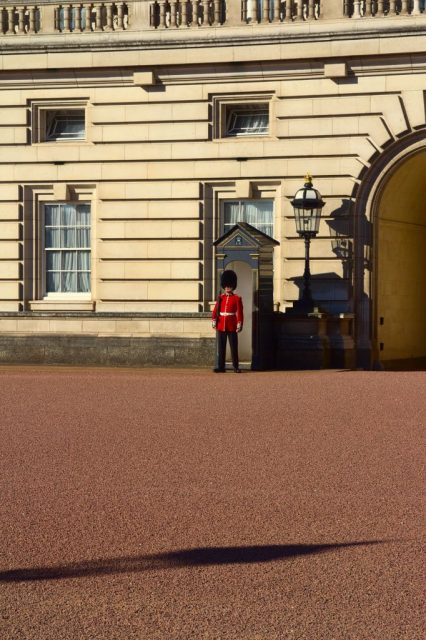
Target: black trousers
[[222, 336]]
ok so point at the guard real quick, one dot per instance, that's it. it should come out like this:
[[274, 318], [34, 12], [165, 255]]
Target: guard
[[228, 319]]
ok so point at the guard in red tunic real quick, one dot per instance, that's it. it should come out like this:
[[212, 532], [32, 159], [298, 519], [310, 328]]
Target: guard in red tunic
[[228, 319]]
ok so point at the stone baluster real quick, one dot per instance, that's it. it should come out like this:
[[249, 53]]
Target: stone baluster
[[66, 14], [162, 19], [392, 7], [85, 18], [20, 28], [96, 17], [276, 10], [367, 8], [77, 17], [108, 16], [117, 22], [416, 8], [404, 7], [195, 20], [31, 19], [265, 11], [184, 13], [288, 11], [204, 18], [27, 19], [311, 9], [184, 9], [299, 10], [357, 10], [380, 8]]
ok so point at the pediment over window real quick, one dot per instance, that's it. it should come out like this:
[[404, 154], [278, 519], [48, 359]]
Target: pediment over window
[[244, 236]]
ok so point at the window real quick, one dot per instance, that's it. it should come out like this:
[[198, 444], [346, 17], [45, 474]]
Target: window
[[66, 124], [55, 121], [239, 116], [67, 248], [246, 120], [258, 213]]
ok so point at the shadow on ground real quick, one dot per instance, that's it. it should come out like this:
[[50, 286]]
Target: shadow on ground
[[202, 556]]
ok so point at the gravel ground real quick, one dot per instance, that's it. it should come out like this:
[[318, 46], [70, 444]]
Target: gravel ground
[[171, 505]]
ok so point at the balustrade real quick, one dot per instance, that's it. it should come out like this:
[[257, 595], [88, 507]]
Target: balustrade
[[356, 9], [187, 13], [95, 16], [280, 10], [47, 16], [20, 19]]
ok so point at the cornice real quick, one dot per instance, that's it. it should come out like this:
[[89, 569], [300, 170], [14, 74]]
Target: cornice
[[220, 37]]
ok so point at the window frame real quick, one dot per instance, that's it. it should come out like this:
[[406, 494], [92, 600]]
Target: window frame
[[39, 120], [62, 295], [224, 105]]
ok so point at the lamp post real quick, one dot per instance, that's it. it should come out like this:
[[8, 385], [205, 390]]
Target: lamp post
[[307, 205]]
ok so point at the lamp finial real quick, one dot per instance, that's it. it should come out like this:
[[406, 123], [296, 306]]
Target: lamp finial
[[308, 178]]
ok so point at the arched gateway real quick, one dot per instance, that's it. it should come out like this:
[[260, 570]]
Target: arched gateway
[[391, 259]]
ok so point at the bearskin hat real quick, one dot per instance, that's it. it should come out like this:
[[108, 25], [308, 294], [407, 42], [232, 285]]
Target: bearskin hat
[[228, 279]]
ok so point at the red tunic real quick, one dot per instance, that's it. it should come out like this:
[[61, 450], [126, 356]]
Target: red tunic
[[231, 312]]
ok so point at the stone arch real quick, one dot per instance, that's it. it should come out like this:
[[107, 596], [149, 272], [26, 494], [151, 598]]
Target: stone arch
[[368, 196]]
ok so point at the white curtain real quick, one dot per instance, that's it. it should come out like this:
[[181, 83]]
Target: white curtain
[[68, 215], [250, 5], [258, 213], [53, 264]]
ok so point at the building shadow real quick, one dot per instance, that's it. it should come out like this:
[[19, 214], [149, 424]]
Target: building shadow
[[183, 558]]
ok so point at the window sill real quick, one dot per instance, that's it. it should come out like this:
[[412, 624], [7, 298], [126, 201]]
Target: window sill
[[245, 137], [62, 305], [55, 143]]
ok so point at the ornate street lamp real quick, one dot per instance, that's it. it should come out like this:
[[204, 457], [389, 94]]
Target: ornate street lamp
[[307, 205]]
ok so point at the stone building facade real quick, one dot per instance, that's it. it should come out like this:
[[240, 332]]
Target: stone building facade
[[134, 134]]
